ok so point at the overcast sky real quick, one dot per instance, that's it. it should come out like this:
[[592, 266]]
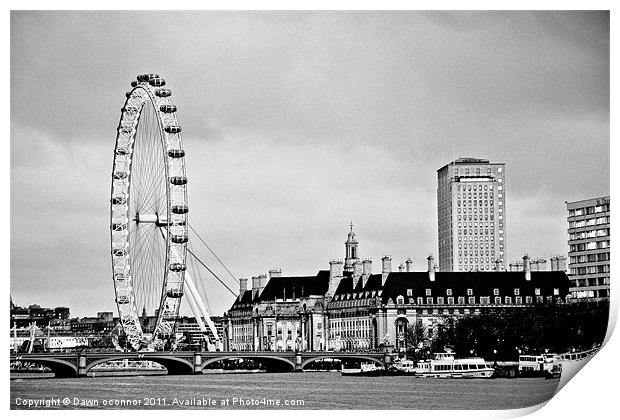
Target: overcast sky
[[295, 124]]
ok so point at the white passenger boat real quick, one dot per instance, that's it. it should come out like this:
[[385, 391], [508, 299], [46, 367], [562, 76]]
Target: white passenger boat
[[444, 365]]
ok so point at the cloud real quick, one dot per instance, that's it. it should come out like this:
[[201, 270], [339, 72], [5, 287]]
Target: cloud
[[297, 123]]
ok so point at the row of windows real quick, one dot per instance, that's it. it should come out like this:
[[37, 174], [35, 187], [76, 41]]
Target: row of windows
[[588, 222], [588, 246], [470, 292], [476, 171], [597, 281], [482, 300], [474, 187], [474, 253], [474, 231], [476, 203], [589, 234], [593, 269], [475, 261], [475, 195], [475, 222], [602, 256], [588, 210], [474, 240]]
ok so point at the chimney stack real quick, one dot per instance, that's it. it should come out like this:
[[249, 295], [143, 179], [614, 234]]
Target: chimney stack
[[366, 271], [498, 265], [357, 271], [554, 264], [243, 286], [526, 268], [401, 268], [561, 263], [255, 287], [386, 268], [275, 273], [409, 265], [262, 282], [335, 275], [431, 267]]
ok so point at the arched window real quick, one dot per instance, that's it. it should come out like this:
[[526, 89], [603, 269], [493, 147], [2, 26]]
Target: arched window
[[400, 300]]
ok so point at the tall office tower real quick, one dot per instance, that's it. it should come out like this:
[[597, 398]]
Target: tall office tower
[[589, 248], [471, 207]]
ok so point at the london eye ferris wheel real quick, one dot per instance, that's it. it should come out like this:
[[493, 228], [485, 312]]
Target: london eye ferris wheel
[[148, 211]]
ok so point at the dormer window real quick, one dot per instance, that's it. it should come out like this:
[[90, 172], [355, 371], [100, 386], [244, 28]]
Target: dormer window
[[428, 292], [400, 300], [495, 292], [449, 292]]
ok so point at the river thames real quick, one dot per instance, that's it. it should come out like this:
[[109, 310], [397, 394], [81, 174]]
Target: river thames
[[308, 390]]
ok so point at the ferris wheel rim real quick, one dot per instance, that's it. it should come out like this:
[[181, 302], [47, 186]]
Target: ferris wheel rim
[[146, 93]]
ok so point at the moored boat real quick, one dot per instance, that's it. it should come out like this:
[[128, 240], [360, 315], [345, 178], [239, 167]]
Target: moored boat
[[401, 367], [365, 369], [445, 365], [542, 365]]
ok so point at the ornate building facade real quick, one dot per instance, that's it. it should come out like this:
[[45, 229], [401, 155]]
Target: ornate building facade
[[351, 308]]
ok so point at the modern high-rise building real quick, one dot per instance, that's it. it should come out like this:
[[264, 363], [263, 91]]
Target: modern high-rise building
[[588, 242], [471, 207]]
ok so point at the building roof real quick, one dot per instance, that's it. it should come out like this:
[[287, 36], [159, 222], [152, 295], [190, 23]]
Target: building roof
[[483, 283], [296, 287], [288, 287]]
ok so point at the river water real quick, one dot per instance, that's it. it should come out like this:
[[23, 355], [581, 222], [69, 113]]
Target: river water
[[307, 390]]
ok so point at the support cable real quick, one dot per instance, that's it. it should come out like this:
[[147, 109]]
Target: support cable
[[216, 257], [210, 271]]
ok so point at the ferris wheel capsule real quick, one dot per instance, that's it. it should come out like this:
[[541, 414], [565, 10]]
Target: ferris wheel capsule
[[119, 227], [177, 267], [163, 93], [134, 83], [123, 300], [180, 209], [142, 78], [174, 293], [151, 76], [176, 153], [120, 175], [168, 109], [178, 180], [120, 277], [179, 239], [157, 82], [173, 129], [119, 252]]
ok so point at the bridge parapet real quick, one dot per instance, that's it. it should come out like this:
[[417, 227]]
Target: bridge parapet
[[187, 363]]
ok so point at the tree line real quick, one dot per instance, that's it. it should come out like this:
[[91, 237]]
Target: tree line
[[505, 333]]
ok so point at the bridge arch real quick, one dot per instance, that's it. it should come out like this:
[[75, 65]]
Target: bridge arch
[[369, 358], [174, 365], [61, 368], [272, 363]]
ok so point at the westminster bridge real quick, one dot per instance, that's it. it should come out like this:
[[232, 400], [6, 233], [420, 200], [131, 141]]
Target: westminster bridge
[[78, 364]]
